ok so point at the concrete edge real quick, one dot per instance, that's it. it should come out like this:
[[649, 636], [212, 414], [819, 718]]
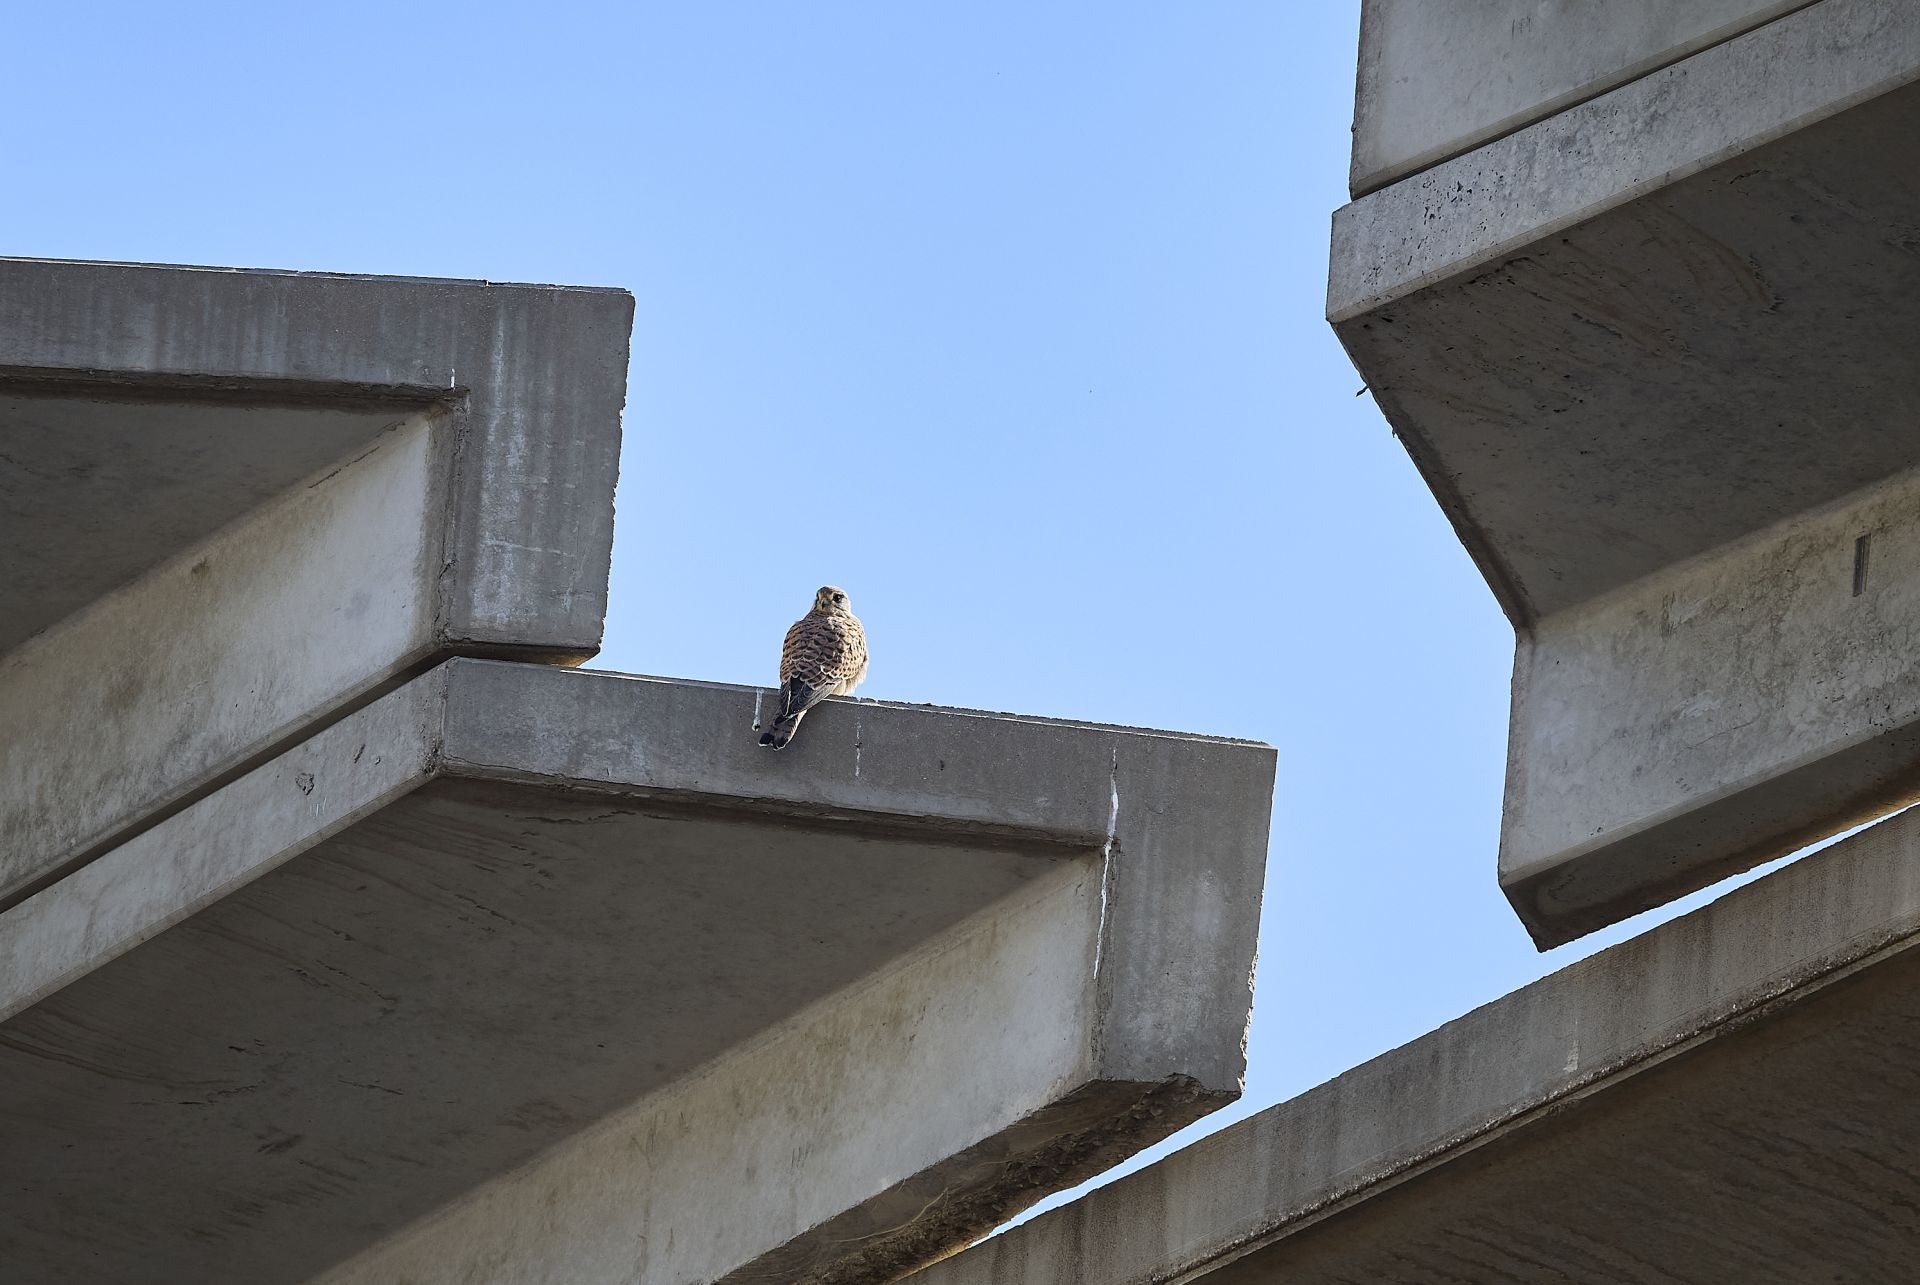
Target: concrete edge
[[530, 538], [918, 1221], [1500, 1067], [951, 711], [68, 665], [307, 274], [535, 376], [1464, 213], [225, 840], [1021, 782], [1771, 811], [1181, 823], [1644, 866], [1360, 183], [1505, 586], [1186, 871]]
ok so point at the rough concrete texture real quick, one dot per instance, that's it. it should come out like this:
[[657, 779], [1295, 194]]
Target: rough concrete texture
[[1439, 77], [254, 498], [533, 377], [1715, 715], [1728, 1098], [101, 486], [1662, 319], [493, 976], [233, 645], [1629, 336], [850, 1096]]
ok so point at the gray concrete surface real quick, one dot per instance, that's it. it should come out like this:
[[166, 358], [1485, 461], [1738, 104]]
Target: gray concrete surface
[[535, 377], [97, 487], [311, 599], [242, 501], [1440, 77], [1728, 1098], [522, 973], [1729, 709], [1634, 335]]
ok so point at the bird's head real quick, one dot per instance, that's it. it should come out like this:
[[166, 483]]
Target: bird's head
[[830, 598]]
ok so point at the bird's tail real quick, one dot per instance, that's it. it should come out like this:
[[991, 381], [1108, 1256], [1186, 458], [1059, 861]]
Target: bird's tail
[[782, 730], [796, 698]]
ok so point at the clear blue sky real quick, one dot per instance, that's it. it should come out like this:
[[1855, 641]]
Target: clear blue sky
[[1007, 317]]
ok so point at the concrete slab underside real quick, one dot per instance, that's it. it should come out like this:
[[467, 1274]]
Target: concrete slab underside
[[430, 998], [1729, 1098], [534, 376], [1789, 1151], [492, 942], [1438, 77], [1654, 356], [98, 484], [238, 503], [1652, 323]]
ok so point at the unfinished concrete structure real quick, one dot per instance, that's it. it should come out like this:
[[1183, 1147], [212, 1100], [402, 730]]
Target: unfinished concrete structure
[[346, 936], [1638, 285], [1733, 1097]]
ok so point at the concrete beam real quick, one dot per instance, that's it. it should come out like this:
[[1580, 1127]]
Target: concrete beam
[[1655, 330], [1440, 77], [534, 377], [313, 599], [520, 967], [1728, 1097], [253, 499], [1715, 715]]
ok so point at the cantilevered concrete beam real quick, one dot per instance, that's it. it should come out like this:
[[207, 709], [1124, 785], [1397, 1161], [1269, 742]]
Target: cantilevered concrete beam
[[1655, 355], [235, 503], [523, 973], [1732, 1097], [1440, 77]]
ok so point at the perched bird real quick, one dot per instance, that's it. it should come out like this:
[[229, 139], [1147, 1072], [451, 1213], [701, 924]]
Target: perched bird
[[825, 654]]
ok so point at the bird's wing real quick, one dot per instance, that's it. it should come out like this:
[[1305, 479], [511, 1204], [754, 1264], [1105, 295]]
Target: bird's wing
[[855, 670], [814, 661]]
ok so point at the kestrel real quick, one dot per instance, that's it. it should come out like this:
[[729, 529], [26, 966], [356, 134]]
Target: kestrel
[[825, 654]]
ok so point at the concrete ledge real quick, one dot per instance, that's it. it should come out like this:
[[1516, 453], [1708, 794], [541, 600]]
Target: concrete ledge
[[535, 377], [516, 962], [1729, 1097], [243, 640], [1440, 77], [257, 498], [1715, 715], [1617, 148], [1659, 346]]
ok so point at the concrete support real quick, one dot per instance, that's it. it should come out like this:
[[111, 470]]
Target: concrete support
[[1730, 709], [1653, 353], [1729, 1097], [546, 975], [233, 645], [254, 499], [534, 377], [1441, 77]]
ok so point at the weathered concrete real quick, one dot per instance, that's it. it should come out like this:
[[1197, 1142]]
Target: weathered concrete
[[99, 486], [1730, 1097], [255, 498], [535, 377], [1732, 708], [518, 967], [1699, 279], [313, 598], [1635, 334], [1440, 77]]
